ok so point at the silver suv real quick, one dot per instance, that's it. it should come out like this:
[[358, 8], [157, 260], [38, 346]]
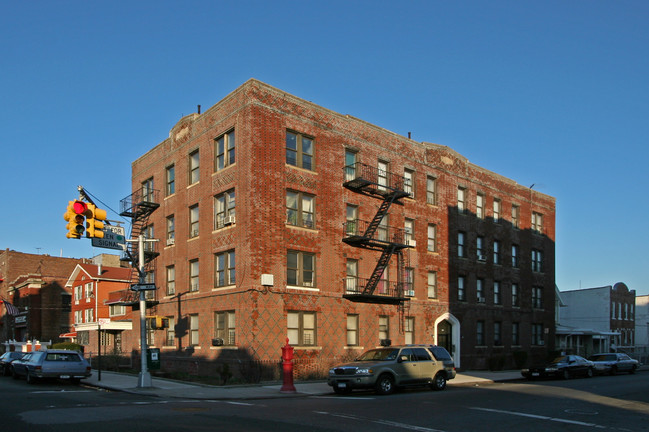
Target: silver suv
[[385, 369]]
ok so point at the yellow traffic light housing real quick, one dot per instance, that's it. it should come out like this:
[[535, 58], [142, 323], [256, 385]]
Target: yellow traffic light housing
[[94, 221], [75, 216]]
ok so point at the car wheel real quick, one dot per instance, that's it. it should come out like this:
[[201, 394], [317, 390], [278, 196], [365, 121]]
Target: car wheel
[[589, 373], [31, 379], [613, 370], [385, 385], [439, 382], [566, 374]]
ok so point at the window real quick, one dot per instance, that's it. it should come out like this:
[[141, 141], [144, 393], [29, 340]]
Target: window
[[300, 269], [171, 280], [480, 249], [224, 327], [432, 284], [515, 300], [194, 167], [171, 230], [515, 256], [193, 275], [382, 175], [116, 310], [300, 209], [461, 292], [350, 165], [193, 221], [479, 289], [515, 334], [537, 334], [384, 327], [409, 182], [351, 282], [537, 261], [193, 330], [301, 328], [479, 333], [497, 298], [537, 297], [170, 334], [461, 199], [224, 209], [147, 190], [496, 252], [537, 222], [170, 180], [299, 150], [461, 252], [224, 266], [224, 151], [498, 333], [352, 330], [409, 229], [496, 208], [409, 330], [409, 282], [516, 216], [431, 190], [432, 238], [351, 218], [479, 210]]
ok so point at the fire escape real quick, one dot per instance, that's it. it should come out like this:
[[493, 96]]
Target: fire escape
[[139, 206], [373, 235]]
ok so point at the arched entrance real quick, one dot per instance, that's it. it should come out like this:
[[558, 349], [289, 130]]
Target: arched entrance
[[447, 334]]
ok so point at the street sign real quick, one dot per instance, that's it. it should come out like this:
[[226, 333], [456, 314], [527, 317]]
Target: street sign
[[143, 287], [114, 238]]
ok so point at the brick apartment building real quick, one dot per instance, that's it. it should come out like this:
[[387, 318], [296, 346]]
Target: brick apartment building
[[256, 196], [35, 284]]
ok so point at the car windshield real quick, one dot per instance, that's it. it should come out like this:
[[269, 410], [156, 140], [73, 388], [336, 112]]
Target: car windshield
[[379, 354]]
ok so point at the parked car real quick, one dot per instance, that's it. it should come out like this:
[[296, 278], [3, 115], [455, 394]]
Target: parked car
[[6, 359], [385, 369], [61, 364], [565, 367], [613, 363]]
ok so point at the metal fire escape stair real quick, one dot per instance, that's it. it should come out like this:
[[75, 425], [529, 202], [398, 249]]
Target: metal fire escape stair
[[373, 182]]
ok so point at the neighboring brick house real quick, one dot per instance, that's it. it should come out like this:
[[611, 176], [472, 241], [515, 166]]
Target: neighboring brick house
[[605, 314], [91, 285], [253, 188], [35, 284]]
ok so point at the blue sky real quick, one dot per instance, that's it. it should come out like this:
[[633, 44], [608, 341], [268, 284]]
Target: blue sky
[[551, 93]]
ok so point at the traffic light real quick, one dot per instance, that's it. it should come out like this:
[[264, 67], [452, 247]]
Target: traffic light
[[94, 221], [75, 216], [157, 322]]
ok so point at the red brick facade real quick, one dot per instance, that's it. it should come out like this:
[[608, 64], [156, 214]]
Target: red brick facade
[[261, 239]]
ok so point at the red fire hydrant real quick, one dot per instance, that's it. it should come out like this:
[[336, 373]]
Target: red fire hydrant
[[287, 368]]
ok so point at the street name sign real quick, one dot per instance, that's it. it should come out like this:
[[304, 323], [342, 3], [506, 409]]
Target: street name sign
[[114, 238]]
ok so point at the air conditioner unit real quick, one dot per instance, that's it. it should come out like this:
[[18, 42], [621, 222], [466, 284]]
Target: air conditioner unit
[[229, 220], [171, 241], [412, 243], [481, 299]]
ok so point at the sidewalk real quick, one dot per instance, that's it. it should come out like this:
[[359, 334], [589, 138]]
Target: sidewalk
[[180, 389]]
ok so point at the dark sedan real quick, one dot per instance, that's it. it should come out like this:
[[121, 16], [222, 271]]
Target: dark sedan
[[613, 363], [6, 359], [565, 367]]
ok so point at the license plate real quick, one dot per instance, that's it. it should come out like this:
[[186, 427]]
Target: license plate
[[65, 377], [535, 374], [342, 385]]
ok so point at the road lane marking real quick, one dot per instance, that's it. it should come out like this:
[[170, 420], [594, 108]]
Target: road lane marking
[[540, 417], [381, 422]]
